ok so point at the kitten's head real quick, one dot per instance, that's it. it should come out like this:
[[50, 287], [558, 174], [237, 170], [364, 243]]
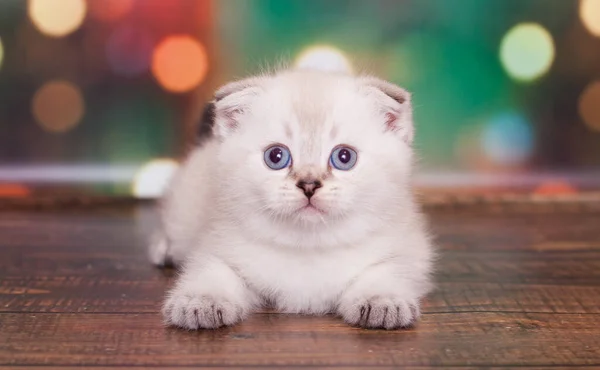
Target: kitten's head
[[321, 155]]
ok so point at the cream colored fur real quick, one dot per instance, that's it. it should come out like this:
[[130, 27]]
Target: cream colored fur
[[239, 229]]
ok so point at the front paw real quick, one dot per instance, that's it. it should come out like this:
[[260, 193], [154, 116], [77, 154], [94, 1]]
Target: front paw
[[201, 312], [388, 312]]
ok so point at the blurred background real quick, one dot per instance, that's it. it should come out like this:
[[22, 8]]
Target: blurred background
[[104, 96]]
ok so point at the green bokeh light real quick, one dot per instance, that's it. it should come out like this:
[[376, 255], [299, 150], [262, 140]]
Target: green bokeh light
[[527, 51]]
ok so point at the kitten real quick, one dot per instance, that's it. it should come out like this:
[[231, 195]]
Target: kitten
[[300, 197]]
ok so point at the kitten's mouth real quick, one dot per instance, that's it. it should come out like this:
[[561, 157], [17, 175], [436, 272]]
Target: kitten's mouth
[[311, 208]]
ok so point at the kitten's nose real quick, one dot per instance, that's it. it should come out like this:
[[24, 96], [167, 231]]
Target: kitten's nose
[[309, 186]]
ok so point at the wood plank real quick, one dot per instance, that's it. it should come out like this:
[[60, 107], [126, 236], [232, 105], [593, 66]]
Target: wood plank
[[479, 230], [125, 230], [89, 280], [289, 367], [112, 295], [77, 280], [155, 367], [514, 288], [475, 339], [550, 267], [527, 267]]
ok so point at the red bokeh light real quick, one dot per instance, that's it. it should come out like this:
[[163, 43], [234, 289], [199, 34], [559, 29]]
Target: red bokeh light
[[109, 10], [554, 188], [13, 191]]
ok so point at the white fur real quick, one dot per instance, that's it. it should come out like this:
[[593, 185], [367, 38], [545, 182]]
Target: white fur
[[236, 226]]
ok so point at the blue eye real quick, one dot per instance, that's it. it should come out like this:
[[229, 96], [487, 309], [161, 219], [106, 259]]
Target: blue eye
[[277, 157], [343, 158]]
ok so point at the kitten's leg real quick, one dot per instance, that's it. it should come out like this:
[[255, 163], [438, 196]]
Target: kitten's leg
[[382, 297], [166, 252], [159, 250], [209, 294], [183, 212]]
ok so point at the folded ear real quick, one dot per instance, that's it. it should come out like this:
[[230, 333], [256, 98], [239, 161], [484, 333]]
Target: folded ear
[[231, 102], [204, 130], [394, 105]]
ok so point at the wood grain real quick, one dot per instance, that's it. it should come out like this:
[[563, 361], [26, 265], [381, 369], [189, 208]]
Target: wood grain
[[514, 288], [271, 339]]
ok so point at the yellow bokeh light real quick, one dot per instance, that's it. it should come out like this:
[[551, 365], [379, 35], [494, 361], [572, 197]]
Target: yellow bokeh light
[[179, 63], [323, 58], [589, 106], [152, 179], [527, 51], [1, 53], [57, 18], [58, 106], [589, 11]]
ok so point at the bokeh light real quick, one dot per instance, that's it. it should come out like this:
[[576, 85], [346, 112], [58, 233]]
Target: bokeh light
[[323, 58], [13, 191], [109, 10], [129, 50], [589, 106], [589, 11], [527, 51], [58, 106], [179, 63], [554, 188], [57, 18], [152, 179], [508, 139], [1, 53]]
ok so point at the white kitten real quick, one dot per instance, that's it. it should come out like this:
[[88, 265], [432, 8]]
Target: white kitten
[[301, 199]]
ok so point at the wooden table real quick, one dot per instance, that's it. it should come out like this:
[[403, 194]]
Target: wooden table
[[517, 286]]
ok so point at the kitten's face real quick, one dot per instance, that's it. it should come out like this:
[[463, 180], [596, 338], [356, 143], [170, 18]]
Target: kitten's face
[[314, 156]]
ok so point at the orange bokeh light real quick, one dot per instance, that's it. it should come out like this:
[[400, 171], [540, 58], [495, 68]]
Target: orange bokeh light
[[589, 106], [109, 10], [179, 63], [555, 188], [58, 106], [13, 191]]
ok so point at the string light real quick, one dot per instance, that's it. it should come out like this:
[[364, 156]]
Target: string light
[[323, 58], [58, 106], [57, 18], [589, 106], [179, 63], [152, 179], [589, 12], [527, 51]]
